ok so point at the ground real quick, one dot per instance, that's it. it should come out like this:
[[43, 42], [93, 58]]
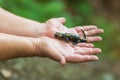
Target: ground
[[46, 69]]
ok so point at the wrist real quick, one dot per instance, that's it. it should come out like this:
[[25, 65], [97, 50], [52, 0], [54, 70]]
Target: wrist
[[37, 45], [28, 48], [40, 46]]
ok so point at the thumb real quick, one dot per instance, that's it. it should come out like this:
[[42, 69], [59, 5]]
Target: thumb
[[61, 20], [58, 57], [62, 60]]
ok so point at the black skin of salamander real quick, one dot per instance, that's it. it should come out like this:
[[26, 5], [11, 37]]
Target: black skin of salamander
[[69, 37]]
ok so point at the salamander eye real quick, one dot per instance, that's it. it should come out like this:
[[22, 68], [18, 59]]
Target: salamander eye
[[57, 34]]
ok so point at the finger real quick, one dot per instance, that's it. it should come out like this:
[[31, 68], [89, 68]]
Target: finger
[[85, 28], [62, 20], [54, 22], [55, 55], [81, 58], [87, 51], [84, 45], [90, 27], [94, 39], [94, 32], [62, 60]]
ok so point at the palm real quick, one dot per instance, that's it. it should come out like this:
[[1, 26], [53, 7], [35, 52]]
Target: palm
[[64, 52], [54, 25]]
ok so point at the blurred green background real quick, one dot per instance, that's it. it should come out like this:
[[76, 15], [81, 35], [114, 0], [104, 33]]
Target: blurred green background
[[103, 13]]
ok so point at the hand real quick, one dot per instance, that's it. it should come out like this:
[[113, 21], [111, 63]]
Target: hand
[[56, 25], [64, 52]]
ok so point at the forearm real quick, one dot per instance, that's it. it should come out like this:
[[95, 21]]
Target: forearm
[[12, 24], [14, 46]]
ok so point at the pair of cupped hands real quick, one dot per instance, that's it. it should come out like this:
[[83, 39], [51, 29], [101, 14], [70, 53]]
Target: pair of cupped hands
[[62, 51]]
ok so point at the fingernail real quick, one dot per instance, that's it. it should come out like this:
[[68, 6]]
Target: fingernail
[[91, 45], [102, 30], [98, 50], [95, 58], [100, 38], [62, 61]]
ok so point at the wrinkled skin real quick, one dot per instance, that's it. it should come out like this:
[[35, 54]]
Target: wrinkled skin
[[56, 25], [65, 52]]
